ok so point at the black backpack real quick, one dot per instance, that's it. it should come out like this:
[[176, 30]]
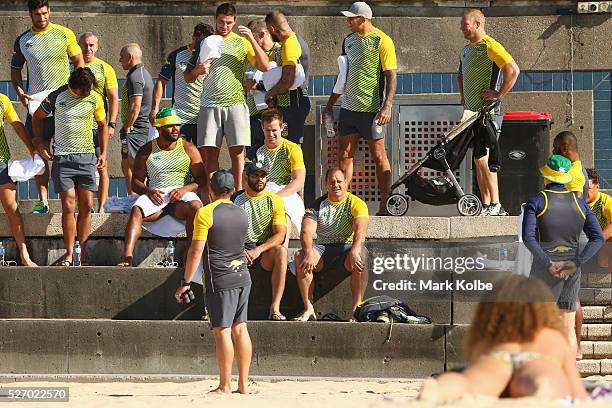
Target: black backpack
[[389, 310]]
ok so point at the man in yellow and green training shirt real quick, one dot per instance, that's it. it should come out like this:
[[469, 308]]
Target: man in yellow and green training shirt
[[368, 95], [47, 49], [486, 73]]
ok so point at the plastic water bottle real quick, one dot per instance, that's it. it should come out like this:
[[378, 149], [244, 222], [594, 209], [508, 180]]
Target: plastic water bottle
[[170, 253], [329, 125], [503, 252], [76, 254], [97, 178], [1, 252]]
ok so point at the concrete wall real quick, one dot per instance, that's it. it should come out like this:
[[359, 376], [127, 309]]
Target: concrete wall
[[427, 40], [149, 347]]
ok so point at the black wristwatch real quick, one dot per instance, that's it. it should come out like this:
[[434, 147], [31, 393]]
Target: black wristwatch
[[112, 124], [183, 283]]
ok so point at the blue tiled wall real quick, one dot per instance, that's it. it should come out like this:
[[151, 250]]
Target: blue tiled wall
[[421, 83]]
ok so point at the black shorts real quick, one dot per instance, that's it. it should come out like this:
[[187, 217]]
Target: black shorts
[[362, 123], [132, 142], [74, 171], [333, 255], [4, 177], [295, 116], [227, 307], [565, 292], [189, 132], [48, 127]]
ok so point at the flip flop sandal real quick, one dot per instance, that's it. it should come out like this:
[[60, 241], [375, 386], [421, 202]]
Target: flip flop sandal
[[277, 317]]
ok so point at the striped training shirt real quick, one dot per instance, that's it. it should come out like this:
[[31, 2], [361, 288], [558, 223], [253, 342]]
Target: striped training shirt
[[47, 54], [168, 168], [335, 219], [7, 111], [263, 212], [185, 96]]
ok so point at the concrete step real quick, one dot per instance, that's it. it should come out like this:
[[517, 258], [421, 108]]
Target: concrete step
[[325, 349], [598, 278], [595, 331], [596, 296], [430, 228], [596, 349], [595, 367], [597, 314]]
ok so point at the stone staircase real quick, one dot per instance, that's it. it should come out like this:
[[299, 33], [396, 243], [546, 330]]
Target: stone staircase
[[596, 345]]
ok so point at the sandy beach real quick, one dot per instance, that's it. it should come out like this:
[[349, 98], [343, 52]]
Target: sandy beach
[[327, 393]]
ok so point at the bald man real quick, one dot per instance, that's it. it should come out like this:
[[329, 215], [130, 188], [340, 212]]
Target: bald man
[[294, 105], [483, 64], [136, 98], [108, 88]]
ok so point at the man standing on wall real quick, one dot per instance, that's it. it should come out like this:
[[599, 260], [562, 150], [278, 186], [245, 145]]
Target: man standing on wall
[[108, 88], [483, 63], [368, 98], [294, 105], [223, 111], [47, 49], [136, 97], [185, 96]]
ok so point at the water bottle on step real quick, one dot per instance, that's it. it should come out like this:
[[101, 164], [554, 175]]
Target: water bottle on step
[[170, 253], [76, 254]]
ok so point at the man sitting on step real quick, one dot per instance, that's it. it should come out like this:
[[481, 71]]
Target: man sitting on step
[[266, 231], [340, 221], [163, 171]]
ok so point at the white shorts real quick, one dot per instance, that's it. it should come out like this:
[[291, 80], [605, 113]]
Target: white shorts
[[231, 121]]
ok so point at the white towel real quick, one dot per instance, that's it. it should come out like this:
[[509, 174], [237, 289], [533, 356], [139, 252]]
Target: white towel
[[120, 205], [524, 258], [24, 170], [294, 205], [342, 73], [210, 48], [148, 207], [153, 133], [36, 100], [272, 76]]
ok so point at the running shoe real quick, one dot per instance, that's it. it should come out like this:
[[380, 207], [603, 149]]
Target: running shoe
[[40, 208], [497, 210], [485, 210]]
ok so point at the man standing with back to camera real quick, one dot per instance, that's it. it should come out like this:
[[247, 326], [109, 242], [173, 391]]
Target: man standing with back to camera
[[219, 232]]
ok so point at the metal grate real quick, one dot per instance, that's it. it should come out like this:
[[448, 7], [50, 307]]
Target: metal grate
[[363, 182]]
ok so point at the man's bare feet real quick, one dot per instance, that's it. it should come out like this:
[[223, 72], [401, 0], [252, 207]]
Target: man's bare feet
[[305, 316], [125, 262], [221, 390], [27, 262], [243, 390]]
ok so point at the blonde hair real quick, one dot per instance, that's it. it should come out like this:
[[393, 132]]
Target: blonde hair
[[475, 15], [515, 311]]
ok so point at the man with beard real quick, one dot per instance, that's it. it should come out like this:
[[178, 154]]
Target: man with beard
[[266, 231], [223, 111], [163, 171], [47, 49]]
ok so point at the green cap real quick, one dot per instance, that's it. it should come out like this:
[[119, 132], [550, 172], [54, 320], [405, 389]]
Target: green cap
[[166, 117]]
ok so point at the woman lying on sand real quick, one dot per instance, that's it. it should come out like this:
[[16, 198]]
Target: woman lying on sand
[[515, 344]]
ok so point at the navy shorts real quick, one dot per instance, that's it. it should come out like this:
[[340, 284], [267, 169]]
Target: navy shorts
[[4, 177], [48, 127], [132, 142], [333, 255], [227, 307], [74, 171], [189, 132], [363, 123], [565, 292], [295, 116]]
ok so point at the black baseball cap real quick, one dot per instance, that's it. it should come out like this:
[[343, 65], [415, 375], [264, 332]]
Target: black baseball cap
[[254, 167], [222, 181]]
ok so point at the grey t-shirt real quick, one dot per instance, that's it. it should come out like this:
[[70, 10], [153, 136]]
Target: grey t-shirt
[[138, 83]]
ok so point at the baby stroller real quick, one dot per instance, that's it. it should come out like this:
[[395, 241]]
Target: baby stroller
[[445, 157]]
